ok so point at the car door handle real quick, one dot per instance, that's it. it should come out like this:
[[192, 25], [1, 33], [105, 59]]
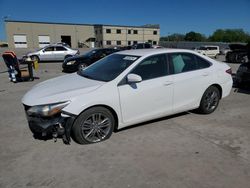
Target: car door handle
[[167, 83]]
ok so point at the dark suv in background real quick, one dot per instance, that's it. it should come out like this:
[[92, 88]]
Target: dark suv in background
[[73, 64]]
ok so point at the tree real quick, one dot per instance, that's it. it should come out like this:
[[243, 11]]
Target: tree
[[173, 37], [193, 36], [230, 35]]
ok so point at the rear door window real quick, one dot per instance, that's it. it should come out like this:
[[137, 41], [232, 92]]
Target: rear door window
[[202, 63], [49, 49], [60, 48], [182, 62]]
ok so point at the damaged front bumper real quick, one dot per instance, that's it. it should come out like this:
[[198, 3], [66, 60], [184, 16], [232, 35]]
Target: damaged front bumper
[[45, 128]]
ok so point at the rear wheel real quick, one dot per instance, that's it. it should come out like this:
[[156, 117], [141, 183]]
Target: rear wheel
[[210, 100], [93, 125]]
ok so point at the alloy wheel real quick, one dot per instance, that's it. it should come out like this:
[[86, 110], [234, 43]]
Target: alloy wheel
[[211, 100], [96, 127]]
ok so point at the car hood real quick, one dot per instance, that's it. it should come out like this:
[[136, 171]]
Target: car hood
[[60, 89], [76, 58]]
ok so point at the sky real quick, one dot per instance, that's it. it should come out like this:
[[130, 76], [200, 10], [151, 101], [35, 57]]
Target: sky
[[174, 16]]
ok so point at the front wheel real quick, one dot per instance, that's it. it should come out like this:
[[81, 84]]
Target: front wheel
[[210, 100], [93, 125], [35, 58]]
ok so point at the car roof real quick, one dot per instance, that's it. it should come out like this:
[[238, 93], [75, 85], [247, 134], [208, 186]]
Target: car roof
[[152, 51], [56, 45]]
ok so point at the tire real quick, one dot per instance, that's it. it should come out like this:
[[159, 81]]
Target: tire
[[93, 125], [210, 100], [82, 66], [35, 58]]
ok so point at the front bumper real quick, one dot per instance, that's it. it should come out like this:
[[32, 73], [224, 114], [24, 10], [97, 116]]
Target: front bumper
[[51, 127], [70, 68]]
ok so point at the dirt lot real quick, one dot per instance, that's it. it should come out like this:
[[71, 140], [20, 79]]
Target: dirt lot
[[185, 150]]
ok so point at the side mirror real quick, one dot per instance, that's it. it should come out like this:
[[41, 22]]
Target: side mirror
[[133, 78]]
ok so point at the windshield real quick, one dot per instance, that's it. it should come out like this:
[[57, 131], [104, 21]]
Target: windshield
[[202, 48], [108, 68], [90, 53]]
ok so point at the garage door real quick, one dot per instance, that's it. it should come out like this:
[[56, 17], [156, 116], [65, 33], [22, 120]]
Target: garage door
[[20, 41], [43, 40]]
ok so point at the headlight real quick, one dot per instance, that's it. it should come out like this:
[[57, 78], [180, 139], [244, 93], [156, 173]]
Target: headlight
[[47, 110], [70, 63]]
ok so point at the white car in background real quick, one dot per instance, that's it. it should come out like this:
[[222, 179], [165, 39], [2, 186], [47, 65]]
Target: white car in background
[[56, 52], [123, 89], [210, 51]]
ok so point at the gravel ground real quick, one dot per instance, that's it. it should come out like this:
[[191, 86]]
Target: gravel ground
[[185, 150]]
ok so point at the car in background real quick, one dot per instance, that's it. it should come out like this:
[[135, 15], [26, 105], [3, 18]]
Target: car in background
[[210, 51], [125, 88], [238, 53], [224, 51], [141, 46], [73, 64], [242, 78], [157, 46], [55, 52]]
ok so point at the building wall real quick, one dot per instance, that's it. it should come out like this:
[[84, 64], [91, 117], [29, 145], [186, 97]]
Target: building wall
[[143, 35], [79, 33]]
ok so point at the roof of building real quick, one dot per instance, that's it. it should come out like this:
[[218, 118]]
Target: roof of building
[[154, 26]]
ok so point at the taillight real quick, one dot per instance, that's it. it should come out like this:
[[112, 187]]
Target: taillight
[[229, 71]]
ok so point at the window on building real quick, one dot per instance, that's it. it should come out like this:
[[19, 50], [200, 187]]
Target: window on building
[[135, 42], [118, 31], [129, 43], [155, 32], [135, 32], [108, 42], [129, 31], [43, 40], [118, 42], [108, 30], [154, 42]]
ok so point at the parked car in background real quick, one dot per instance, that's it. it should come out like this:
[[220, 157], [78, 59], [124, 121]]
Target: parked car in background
[[242, 77], [224, 51], [210, 51], [73, 64], [62, 43], [141, 46], [238, 53], [55, 52], [123, 89], [157, 46]]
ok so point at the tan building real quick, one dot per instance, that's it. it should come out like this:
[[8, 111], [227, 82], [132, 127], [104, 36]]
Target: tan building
[[111, 35], [25, 34]]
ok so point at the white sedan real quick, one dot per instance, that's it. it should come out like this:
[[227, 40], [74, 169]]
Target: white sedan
[[123, 89]]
